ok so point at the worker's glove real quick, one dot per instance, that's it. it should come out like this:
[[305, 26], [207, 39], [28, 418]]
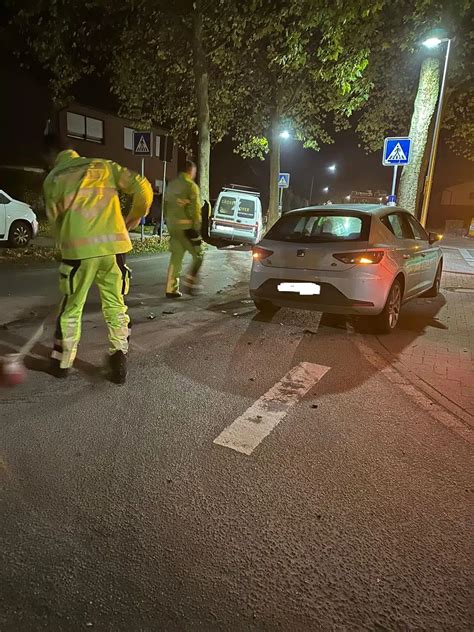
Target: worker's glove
[[193, 236]]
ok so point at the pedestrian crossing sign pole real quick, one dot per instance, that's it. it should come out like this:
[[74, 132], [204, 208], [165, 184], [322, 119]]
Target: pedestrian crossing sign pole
[[142, 146], [283, 183], [396, 153]]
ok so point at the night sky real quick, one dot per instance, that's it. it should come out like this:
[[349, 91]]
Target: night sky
[[356, 170]]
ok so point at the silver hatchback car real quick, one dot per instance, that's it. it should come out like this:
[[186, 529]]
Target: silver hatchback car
[[361, 259]]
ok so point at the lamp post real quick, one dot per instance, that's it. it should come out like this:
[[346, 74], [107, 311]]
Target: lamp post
[[433, 42]]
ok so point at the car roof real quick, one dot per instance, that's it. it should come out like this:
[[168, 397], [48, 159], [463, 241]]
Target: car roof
[[369, 209]]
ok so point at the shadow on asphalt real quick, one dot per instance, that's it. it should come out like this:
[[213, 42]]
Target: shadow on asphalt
[[324, 339], [38, 360]]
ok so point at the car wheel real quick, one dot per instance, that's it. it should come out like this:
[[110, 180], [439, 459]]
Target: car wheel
[[433, 292], [265, 307], [20, 234], [387, 320]]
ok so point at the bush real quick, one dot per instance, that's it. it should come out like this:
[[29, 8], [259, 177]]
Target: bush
[[43, 254]]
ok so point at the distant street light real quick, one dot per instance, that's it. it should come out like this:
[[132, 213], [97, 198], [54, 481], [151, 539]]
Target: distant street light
[[332, 168], [348, 198], [433, 42], [285, 134]]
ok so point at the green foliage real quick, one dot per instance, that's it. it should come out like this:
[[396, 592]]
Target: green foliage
[[35, 253], [305, 64], [150, 245], [394, 66]]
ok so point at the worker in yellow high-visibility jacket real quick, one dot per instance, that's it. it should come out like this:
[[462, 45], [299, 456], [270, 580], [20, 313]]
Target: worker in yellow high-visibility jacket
[[183, 219], [82, 203]]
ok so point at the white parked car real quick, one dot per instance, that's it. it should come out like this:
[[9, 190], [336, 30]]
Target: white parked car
[[359, 259], [18, 223]]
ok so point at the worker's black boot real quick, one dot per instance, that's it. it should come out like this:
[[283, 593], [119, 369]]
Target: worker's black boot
[[118, 367], [56, 370]]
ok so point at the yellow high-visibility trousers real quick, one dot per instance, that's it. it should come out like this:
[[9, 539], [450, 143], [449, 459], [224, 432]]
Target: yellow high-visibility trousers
[[179, 245], [112, 278]]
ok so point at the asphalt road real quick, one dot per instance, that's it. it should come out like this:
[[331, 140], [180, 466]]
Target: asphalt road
[[120, 513]]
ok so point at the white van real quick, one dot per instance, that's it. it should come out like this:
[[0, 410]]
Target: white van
[[237, 216], [18, 223]]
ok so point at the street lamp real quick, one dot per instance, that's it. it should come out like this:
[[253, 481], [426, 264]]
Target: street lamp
[[434, 42], [325, 189], [285, 134], [348, 198], [331, 168]]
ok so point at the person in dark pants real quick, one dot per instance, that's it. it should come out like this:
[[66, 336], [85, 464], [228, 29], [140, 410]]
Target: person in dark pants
[[155, 213]]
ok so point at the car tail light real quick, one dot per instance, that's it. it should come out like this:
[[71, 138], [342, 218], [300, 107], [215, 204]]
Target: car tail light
[[361, 258], [259, 254]]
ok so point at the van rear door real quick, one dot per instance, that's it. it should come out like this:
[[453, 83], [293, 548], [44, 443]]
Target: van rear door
[[226, 212]]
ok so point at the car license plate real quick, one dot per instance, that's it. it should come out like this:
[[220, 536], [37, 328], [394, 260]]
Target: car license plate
[[303, 289], [224, 229]]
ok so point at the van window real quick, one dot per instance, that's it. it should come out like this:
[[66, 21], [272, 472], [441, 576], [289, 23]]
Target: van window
[[320, 227], [226, 205], [247, 209]]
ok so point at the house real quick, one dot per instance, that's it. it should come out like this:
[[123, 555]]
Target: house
[[456, 203], [367, 197], [99, 134], [25, 109]]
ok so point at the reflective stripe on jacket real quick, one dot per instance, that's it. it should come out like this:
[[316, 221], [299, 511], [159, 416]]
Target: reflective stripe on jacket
[[82, 203], [183, 204]]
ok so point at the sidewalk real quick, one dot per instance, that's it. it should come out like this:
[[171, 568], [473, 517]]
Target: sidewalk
[[458, 254], [436, 340]]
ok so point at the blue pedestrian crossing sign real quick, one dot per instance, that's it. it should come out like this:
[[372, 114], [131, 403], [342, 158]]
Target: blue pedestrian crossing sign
[[396, 151], [283, 180], [142, 143]]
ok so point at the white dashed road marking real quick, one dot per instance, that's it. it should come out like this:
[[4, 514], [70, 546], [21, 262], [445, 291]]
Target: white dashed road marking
[[251, 428]]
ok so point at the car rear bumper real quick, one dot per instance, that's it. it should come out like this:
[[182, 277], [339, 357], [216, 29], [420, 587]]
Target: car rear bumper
[[330, 300], [342, 292]]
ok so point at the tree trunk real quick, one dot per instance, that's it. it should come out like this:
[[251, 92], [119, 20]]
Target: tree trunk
[[201, 79], [425, 103], [273, 210]]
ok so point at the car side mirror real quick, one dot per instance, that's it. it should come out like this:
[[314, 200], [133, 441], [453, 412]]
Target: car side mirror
[[434, 237]]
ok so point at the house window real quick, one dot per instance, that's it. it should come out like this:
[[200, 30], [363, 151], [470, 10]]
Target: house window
[[85, 127], [128, 138]]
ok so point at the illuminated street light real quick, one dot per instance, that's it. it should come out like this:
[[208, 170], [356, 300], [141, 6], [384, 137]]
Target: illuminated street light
[[326, 190], [348, 198], [433, 42], [285, 134], [332, 168]]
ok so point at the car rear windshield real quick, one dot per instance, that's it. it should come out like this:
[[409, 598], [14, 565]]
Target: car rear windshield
[[226, 205], [314, 227], [246, 209]]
